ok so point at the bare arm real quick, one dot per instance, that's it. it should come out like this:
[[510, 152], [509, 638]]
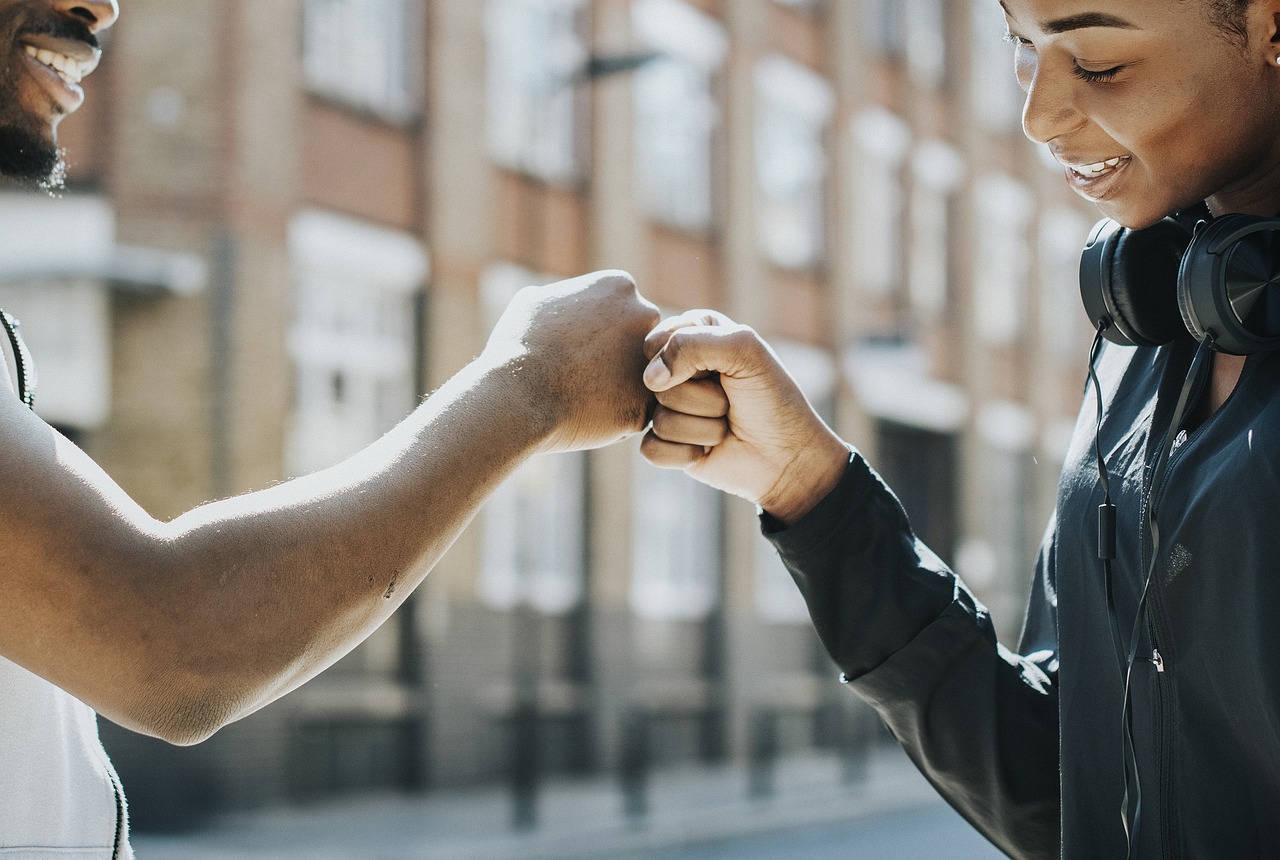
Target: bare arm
[[177, 628]]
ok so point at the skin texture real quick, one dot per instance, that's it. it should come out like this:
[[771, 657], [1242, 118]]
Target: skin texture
[[176, 628], [1189, 106]]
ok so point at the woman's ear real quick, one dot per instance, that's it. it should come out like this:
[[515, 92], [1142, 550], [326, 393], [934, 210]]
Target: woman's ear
[[1263, 20]]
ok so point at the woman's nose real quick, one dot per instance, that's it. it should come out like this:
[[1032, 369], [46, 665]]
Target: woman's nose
[[1050, 110]]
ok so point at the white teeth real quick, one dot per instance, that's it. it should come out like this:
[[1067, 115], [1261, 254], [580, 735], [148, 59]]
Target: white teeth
[[1093, 171], [68, 69]]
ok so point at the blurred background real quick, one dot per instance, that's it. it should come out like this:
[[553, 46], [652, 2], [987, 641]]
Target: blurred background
[[286, 221]]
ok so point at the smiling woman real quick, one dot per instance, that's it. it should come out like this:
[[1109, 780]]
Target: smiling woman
[[1152, 106], [1153, 600]]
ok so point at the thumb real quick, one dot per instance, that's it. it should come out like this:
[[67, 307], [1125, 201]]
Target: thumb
[[699, 350]]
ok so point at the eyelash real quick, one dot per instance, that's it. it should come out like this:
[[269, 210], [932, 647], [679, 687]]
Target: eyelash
[[1096, 77], [1102, 77]]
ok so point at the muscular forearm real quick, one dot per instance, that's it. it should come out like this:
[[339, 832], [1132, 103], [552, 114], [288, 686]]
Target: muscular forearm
[[176, 628], [201, 620]]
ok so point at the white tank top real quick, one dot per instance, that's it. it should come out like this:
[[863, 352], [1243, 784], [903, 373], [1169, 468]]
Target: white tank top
[[59, 795]]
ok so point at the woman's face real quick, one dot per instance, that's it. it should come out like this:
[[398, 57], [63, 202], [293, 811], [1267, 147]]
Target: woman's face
[[1150, 106]]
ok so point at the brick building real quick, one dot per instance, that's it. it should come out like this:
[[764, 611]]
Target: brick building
[[293, 219]]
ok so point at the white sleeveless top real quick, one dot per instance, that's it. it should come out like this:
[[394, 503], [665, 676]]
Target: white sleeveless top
[[60, 798]]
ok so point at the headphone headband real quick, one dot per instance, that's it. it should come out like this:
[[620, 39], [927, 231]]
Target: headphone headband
[[1219, 281]]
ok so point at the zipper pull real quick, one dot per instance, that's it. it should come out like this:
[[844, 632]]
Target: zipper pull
[[1178, 441], [1157, 660]]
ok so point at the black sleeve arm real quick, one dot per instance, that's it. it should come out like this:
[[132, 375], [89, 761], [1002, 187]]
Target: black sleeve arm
[[979, 721]]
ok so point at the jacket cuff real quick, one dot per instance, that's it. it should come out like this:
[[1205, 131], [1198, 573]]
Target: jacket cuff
[[814, 529]]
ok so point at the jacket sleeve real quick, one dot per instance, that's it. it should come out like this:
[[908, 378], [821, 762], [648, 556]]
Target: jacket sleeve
[[979, 721]]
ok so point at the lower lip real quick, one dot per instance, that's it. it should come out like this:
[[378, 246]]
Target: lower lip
[[67, 96], [1098, 187]]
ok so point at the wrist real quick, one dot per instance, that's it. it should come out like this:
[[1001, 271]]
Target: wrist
[[524, 405], [806, 480]]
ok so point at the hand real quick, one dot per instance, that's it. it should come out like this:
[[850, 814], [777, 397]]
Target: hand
[[577, 348], [750, 431]]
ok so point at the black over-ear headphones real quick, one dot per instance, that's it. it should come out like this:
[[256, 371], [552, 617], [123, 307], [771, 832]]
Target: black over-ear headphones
[[1215, 278], [1218, 280]]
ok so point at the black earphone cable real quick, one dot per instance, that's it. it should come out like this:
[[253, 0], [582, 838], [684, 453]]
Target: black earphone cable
[[1131, 803], [1107, 510]]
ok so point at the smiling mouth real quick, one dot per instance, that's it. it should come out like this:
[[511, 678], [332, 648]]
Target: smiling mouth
[[71, 70], [1097, 169]]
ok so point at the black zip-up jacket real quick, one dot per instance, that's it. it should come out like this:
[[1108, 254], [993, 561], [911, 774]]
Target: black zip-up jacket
[[1027, 745]]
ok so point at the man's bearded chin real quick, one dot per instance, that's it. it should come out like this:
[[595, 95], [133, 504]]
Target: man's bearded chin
[[30, 160]]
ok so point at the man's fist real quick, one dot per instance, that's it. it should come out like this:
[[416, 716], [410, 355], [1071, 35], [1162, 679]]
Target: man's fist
[[577, 350], [730, 415]]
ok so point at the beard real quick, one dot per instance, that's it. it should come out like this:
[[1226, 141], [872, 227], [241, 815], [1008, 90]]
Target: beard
[[29, 154], [29, 159]]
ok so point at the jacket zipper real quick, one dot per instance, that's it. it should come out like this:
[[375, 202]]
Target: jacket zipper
[[1162, 683], [1162, 700]]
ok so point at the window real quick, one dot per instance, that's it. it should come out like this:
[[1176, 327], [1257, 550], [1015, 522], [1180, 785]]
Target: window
[[938, 170], [353, 339], [533, 536], [675, 545], [534, 523], [1003, 260], [794, 106], [921, 466], [777, 598], [1009, 432], [676, 112], [997, 98], [533, 50], [880, 141], [926, 42], [364, 53], [1064, 329], [883, 27]]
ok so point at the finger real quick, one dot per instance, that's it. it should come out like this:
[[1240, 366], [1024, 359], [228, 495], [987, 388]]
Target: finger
[[661, 333], [670, 455], [702, 397], [691, 352], [688, 429]]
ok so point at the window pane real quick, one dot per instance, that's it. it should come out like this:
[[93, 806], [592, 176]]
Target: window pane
[[533, 51], [362, 52], [675, 545], [1003, 261], [676, 113], [533, 537], [794, 106], [353, 338], [997, 98]]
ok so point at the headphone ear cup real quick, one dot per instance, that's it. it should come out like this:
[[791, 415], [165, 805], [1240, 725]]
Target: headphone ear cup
[[1229, 284], [1129, 280]]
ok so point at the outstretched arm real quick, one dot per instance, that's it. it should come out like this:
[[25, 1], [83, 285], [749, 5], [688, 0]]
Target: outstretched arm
[[176, 628], [730, 415], [978, 720]]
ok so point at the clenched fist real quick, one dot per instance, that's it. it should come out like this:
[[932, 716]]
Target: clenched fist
[[730, 415], [576, 348]]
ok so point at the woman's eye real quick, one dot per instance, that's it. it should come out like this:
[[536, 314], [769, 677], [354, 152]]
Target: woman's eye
[[1017, 41], [1101, 77]]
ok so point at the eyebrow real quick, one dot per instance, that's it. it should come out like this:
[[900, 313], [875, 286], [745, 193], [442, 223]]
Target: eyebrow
[[1082, 21], [1086, 20]]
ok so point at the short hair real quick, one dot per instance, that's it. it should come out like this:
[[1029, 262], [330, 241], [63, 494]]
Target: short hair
[[1229, 15]]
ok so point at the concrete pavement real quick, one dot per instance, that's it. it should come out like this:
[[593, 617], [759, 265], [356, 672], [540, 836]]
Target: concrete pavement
[[576, 819]]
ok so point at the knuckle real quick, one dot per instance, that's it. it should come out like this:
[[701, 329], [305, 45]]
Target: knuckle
[[618, 280]]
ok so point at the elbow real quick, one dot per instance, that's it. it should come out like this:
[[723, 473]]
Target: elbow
[[188, 716]]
